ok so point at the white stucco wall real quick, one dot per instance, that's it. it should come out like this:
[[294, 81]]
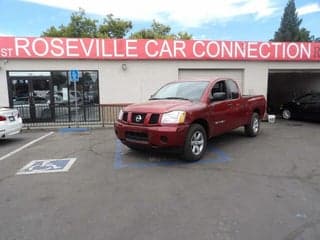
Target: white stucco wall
[[142, 78], [4, 101]]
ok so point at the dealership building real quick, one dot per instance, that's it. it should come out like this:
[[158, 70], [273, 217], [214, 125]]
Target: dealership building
[[66, 71]]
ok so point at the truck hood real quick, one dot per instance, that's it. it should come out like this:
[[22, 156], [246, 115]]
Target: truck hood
[[161, 106]]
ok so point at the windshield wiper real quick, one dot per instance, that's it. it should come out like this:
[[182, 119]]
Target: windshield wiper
[[181, 98]]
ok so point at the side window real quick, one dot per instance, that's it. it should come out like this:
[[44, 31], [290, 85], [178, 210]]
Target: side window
[[219, 87], [317, 98], [233, 90], [221, 90], [305, 99]]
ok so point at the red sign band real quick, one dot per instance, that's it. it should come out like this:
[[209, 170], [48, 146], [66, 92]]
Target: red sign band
[[142, 49]]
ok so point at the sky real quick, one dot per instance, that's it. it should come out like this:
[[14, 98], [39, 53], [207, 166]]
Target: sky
[[236, 20]]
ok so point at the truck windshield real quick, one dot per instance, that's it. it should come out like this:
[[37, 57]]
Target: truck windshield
[[181, 90]]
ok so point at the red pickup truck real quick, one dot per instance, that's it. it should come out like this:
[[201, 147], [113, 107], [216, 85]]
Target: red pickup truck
[[185, 114]]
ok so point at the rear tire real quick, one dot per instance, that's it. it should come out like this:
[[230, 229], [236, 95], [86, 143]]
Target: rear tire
[[195, 144], [253, 128]]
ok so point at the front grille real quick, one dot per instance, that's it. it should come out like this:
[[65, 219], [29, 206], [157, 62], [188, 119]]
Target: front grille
[[136, 136], [138, 117], [154, 118]]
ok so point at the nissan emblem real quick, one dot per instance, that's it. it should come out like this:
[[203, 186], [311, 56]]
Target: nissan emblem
[[138, 118]]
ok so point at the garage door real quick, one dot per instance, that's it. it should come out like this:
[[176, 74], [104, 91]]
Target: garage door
[[195, 74], [285, 85]]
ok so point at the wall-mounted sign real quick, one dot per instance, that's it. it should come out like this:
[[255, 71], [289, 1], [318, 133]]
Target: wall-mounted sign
[[74, 75], [143, 49]]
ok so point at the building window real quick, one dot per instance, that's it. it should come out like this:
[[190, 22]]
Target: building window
[[57, 93]]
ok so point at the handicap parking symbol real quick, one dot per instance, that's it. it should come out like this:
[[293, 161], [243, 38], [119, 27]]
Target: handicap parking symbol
[[47, 166]]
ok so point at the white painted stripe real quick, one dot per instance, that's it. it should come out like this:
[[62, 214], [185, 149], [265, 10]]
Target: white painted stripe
[[25, 146]]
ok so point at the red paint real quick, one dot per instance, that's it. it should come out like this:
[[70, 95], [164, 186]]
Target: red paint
[[217, 117], [142, 49]]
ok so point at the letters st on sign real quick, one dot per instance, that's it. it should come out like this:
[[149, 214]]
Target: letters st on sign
[[85, 48]]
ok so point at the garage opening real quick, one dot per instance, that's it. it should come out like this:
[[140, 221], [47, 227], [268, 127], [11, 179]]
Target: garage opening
[[286, 85], [195, 74]]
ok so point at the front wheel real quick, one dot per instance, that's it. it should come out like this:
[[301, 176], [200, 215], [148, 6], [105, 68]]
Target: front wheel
[[195, 144], [286, 114], [253, 128]]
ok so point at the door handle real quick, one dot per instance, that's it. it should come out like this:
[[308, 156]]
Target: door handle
[[229, 104]]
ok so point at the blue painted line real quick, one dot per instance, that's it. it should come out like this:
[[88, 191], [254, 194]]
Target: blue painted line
[[70, 130], [220, 157], [118, 163]]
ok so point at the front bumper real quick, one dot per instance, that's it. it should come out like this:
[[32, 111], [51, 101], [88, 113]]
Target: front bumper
[[165, 136]]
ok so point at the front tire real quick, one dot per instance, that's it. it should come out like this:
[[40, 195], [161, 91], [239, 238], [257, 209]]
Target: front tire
[[286, 114], [253, 128], [195, 144]]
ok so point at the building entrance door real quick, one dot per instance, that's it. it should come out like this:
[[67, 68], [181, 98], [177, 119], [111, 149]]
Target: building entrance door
[[31, 96]]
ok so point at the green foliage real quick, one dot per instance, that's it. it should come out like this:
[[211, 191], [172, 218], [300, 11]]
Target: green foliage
[[184, 36], [289, 30], [81, 26], [54, 32], [114, 27], [159, 31]]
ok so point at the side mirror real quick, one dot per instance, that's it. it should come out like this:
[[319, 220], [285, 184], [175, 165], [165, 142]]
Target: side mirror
[[218, 96], [151, 96]]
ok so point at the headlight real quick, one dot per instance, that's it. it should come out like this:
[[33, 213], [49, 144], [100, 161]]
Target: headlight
[[173, 117], [120, 115]]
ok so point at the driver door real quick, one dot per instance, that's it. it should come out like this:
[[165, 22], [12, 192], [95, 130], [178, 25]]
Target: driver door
[[219, 111]]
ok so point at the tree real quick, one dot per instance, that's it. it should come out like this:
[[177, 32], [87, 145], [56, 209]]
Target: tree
[[54, 32], [80, 26], [159, 31], [289, 30], [114, 27], [184, 36]]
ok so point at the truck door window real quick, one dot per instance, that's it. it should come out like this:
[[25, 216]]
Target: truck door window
[[233, 90], [219, 87]]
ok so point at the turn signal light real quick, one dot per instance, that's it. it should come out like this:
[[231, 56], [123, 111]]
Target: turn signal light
[[3, 118]]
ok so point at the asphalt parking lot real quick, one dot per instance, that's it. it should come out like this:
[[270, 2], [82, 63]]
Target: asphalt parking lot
[[266, 187]]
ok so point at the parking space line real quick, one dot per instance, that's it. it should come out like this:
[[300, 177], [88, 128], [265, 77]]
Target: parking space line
[[25, 146]]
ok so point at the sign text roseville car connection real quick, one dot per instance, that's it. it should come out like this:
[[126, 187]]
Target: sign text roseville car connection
[[120, 49]]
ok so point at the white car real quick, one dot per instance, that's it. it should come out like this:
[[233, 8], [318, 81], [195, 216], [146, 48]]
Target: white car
[[10, 122]]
